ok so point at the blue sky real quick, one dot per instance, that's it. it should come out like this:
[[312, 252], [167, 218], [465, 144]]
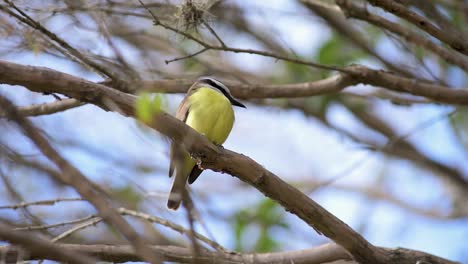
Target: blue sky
[[295, 147]]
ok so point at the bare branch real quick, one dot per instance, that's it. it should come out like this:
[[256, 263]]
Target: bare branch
[[157, 22], [357, 75], [26, 19], [75, 178], [355, 11], [123, 253], [337, 21], [187, 56], [173, 226], [326, 253], [40, 227], [91, 222], [332, 84], [213, 32], [216, 158], [38, 246], [49, 108], [43, 202], [457, 42], [396, 83]]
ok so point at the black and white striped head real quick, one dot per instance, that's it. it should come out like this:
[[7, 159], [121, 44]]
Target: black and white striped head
[[219, 87]]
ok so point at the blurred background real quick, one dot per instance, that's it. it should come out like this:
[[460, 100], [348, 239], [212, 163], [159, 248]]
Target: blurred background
[[377, 160]]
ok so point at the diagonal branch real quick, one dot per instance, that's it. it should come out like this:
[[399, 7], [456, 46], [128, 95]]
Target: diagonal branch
[[211, 157], [39, 246], [39, 79], [332, 84], [352, 10], [82, 185], [357, 74], [337, 21], [43, 202], [207, 46], [326, 253], [48, 108], [457, 42], [26, 19], [123, 253]]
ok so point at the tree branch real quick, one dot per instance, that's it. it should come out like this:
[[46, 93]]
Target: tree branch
[[47, 108], [457, 42], [357, 75], [26, 19], [332, 84], [337, 21], [355, 11], [124, 253], [76, 179], [38, 246], [207, 46], [43, 202], [318, 255], [211, 156]]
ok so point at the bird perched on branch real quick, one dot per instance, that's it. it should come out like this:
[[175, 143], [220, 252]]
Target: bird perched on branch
[[207, 108]]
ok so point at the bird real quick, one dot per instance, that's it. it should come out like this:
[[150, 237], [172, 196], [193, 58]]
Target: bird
[[207, 108]]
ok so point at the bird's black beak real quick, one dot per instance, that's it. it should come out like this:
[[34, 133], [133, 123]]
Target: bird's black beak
[[236, 103]]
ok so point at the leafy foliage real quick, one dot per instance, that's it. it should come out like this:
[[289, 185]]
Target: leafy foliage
[[264, 216], [337, 51], [148, 105]]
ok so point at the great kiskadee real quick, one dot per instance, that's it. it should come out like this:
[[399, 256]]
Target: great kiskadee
[[207, 108]]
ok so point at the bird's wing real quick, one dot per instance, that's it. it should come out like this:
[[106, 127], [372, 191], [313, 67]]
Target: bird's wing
[[181, 114], [196, 171]]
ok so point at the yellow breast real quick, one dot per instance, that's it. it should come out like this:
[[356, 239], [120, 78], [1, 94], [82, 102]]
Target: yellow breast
[[211, 114]]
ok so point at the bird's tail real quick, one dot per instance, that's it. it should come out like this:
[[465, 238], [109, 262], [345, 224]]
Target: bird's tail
[[177, 192]]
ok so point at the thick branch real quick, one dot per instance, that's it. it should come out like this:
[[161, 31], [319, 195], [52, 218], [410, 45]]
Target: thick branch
[[336, 19], [322, 254], [397, 83], [38, 246], [73, 177], [357, 75], [332, 84], [124, 253], [351, 9], [209, 155], [48, 108], [457, 42], [212, 157]]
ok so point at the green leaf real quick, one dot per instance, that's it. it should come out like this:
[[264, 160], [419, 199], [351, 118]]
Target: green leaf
[[147, 106], [265, 216], [129, 195], [240, 225], [266, 243], [459, 123], [338, 51], [297, 73]]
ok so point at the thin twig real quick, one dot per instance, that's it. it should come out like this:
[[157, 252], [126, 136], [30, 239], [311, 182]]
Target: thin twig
[[40, 227], [186, 57], [93, 221], [423, 125], [352, 10], [158, 22], [25, 18], [48, 108], [212, 31], [173, 226], [73, 177], [36, 245], [456, 41], [189, 210], [43, 202]]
